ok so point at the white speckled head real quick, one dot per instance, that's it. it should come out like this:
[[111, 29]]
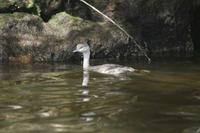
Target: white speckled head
[[82, 48], [85, 50]]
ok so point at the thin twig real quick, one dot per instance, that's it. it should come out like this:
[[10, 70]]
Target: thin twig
[[122, 29]]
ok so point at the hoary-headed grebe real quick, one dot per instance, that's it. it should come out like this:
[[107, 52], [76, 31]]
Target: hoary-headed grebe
[[112, 69]]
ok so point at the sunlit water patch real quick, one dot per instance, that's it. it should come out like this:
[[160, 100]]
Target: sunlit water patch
[[45, 98]]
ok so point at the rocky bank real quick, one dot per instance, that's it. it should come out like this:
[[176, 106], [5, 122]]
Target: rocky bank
[[48, 30]]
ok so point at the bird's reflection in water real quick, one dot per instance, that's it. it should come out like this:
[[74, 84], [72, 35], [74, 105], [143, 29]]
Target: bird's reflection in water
[[86, 116], [85, 78], [83, 92]]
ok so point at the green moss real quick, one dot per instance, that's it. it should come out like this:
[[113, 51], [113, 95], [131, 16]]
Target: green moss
[[18, 15], [4, 18], [2, 21], [65, 20], [6, 3], [8, 17], [19, 3], [29, 3], [63, 17]]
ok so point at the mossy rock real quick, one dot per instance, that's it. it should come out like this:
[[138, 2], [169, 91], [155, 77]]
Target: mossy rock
[[6, 3], [16, 3], [5, 18], [19, 18], [65, 20], [104, 36], [19, 32]]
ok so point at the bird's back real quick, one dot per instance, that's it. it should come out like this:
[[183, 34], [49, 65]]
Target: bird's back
[[112, 69]]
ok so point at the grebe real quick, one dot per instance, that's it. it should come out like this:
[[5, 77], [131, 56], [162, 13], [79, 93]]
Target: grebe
[[112, 69]]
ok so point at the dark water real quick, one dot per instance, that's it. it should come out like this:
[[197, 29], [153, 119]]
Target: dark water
[[44, 98]]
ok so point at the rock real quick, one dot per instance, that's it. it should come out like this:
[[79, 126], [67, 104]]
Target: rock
[[163, 25], [104, 37], [24, 59], [163, 28], [19, 32], [26, 38], [43, 8], [15, 5]]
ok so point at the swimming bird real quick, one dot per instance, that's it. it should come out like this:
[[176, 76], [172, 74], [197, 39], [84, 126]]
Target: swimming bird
[[111, 69]]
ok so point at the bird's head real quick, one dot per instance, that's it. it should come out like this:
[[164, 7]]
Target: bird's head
[[82, 48]]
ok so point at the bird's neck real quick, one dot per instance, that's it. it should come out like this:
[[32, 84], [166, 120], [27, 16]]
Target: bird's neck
[[86, 60]]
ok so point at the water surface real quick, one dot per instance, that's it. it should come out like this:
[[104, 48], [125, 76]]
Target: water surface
[[46, 98]]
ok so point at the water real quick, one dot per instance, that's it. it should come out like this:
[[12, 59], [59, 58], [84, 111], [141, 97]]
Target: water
[[45, 98]]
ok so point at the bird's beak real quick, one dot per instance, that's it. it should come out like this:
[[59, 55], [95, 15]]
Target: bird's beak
[[75, 51]]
